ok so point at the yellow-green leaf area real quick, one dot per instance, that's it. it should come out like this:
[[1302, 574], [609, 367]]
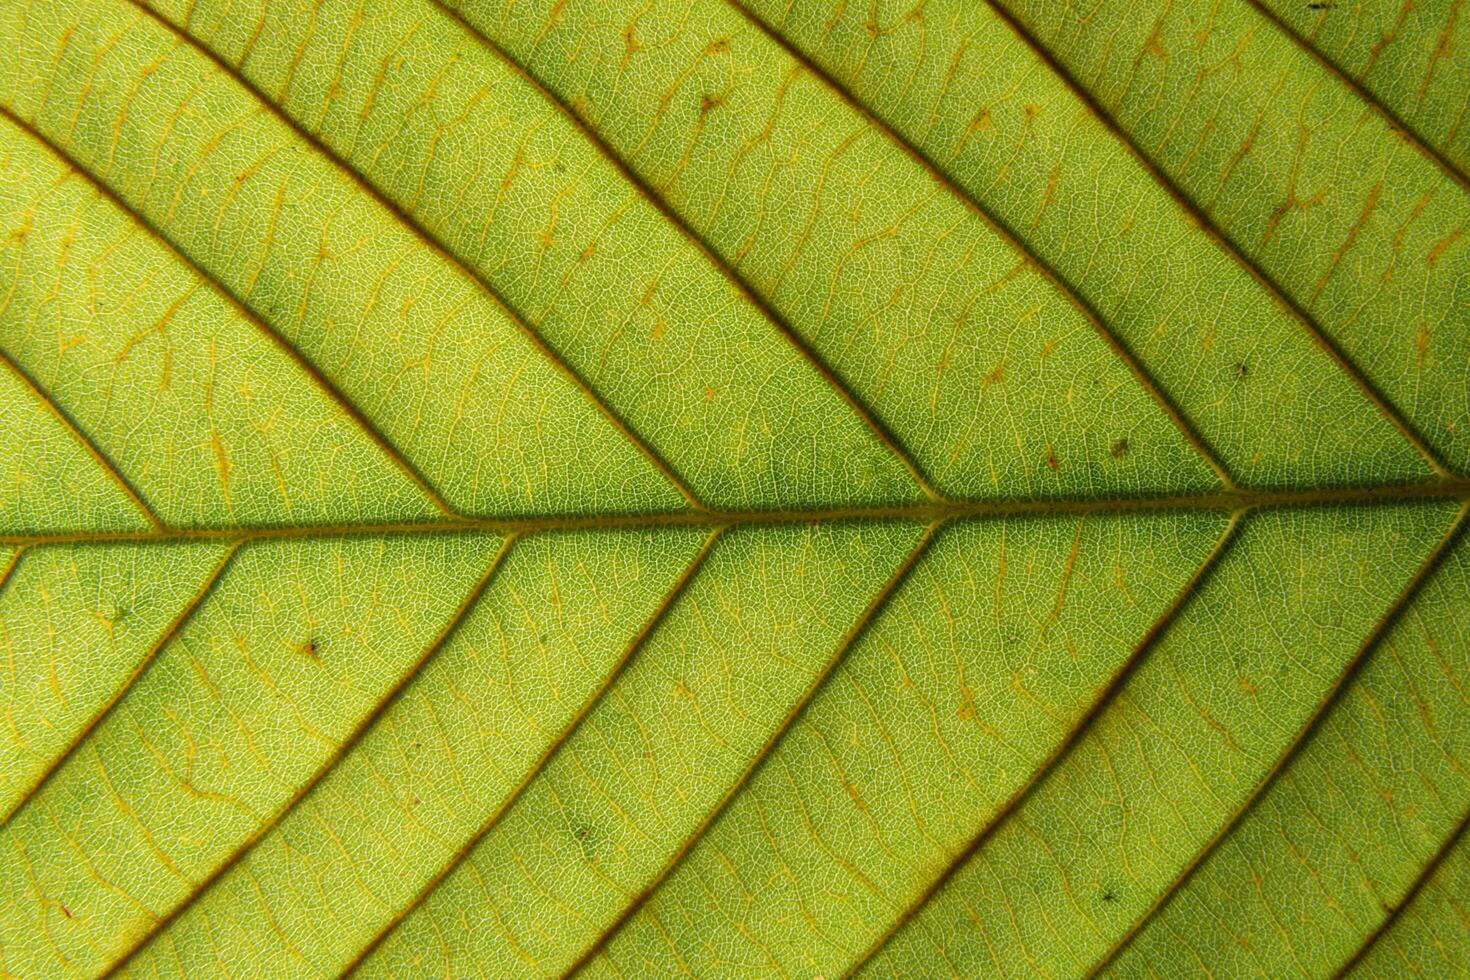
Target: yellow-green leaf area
[[50, 478], [733, 488], [1352, 219], [971, 93], [288, 651], [195, 406], [119, 604]]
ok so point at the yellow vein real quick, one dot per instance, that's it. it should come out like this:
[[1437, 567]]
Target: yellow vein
[[1207, 225], [1303, 737], [1072, 737], [637, 643], [1007, 234], [1424, 878], [1229, 501], [138, 671], [412, 224], [724, 267], [1410, 134], [238, 305], [469, 602], [799, 709], [108, 467]]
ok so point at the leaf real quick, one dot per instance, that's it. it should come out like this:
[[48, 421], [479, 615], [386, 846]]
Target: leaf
[[734, 488]]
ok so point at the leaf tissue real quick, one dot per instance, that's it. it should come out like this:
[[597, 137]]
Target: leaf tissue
[[734, 488]]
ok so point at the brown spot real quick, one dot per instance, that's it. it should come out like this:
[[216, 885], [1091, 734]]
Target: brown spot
[[981, 122], [1245, 684], [709, 394], [995, 376], [588, 252], [1421, 343], [1048, 347], [1208, 342], [1051, 459], [1119, 448], [718, 46]]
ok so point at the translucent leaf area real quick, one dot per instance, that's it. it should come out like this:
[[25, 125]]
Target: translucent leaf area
[[734, 488]]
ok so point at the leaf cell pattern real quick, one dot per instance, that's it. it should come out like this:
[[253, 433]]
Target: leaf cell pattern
[[734, 487]]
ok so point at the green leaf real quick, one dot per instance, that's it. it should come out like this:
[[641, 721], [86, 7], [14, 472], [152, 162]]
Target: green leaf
[[734, 487]]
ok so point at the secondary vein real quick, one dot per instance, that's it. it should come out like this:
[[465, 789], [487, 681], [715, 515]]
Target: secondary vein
[[1303, 737], [411, 223], [1006, 233], [1208, 226]]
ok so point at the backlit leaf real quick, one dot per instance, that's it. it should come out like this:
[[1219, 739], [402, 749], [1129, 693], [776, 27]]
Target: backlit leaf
[[734, 487]]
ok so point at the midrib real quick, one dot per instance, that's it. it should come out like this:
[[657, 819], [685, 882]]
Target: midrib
[[1228, 501]]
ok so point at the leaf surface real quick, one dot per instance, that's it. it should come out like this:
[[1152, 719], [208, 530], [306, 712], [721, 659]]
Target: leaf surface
[[733, 487]]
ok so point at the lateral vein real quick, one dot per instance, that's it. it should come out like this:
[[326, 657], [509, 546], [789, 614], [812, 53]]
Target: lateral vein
[[1207, 225], [108, 466], [552, 356], [1063, 748], [238, 305], [725, 268], [493, 820], [798, 709], [1302, 738], [138, 671], [471, 599], [1006, 233]]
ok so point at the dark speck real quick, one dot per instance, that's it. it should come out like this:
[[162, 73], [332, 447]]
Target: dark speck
[[1119, 448]]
